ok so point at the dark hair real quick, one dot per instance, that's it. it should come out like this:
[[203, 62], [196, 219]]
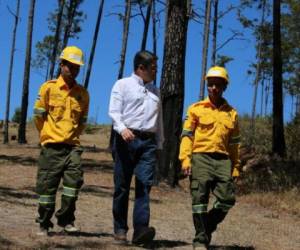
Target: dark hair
[[144, 58]]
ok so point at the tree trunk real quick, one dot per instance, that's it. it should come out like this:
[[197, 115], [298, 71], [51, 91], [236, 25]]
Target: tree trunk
[[89, 68], [267, 91], [257, 77], [125, 37], [61, 4], [71, 13], [262, 96], [126, 22], [297, 109], [154, 37], [205, 48], [146, 27], [215, 31], [172, 87], [24, 106], [278, 142], [11, 63]]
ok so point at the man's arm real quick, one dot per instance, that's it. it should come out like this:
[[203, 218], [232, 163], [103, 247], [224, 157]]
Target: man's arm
[[186, 145], [115, 107], [160, 128], [84, 115], [41, 107], [234, 149]]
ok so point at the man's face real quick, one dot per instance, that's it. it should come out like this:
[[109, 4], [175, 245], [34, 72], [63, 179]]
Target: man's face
[[69, 71], [216, 87], [149, 73]]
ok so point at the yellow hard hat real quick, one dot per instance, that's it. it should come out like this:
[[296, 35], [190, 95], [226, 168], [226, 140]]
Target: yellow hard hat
[[217, 71], [72, 54]]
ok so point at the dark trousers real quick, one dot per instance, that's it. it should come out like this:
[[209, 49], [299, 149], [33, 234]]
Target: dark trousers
[[211, 172], [56, 162], [137, 157]]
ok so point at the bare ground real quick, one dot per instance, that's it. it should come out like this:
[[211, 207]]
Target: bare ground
[[248, 225]]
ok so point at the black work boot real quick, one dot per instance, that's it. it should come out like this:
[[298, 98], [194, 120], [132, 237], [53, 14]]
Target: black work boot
[[214, 217], [200, 223]]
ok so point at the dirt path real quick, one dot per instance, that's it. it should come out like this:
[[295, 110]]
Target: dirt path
[[248, 226]]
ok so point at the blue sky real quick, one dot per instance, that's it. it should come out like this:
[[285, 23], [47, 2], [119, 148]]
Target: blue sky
[[105, 66]]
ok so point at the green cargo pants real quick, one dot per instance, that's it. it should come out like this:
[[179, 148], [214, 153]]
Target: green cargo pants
[[211, 172], [56, 162]]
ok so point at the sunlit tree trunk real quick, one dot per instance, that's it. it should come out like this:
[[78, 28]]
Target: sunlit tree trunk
[[25, 92]]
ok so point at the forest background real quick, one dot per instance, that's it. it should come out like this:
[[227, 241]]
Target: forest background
[[256, 40]]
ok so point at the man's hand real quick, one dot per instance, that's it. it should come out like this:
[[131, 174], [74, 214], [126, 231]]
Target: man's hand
[[127, 135], [187, 171]]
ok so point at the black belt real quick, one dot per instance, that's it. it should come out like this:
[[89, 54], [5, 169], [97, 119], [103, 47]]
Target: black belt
[[217, 156], [143, 134]]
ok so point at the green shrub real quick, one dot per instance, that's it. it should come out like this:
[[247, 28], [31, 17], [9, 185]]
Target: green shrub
[[17, 115]]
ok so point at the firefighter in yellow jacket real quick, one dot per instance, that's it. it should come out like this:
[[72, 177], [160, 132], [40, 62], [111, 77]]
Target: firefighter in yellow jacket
[[209, 154], [60, 113]]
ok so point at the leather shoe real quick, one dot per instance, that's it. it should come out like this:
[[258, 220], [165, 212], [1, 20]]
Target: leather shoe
[[143, 235], [120, 238]]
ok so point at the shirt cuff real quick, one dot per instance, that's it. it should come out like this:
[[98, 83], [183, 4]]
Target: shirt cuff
[[120, 128], [186, 163]]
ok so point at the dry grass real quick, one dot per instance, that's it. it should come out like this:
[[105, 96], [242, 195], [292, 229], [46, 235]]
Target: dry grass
[[287, 201], [251, 224]]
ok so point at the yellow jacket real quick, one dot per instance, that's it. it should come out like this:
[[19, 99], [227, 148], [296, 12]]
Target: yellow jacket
[[208, 129], [60, 114]]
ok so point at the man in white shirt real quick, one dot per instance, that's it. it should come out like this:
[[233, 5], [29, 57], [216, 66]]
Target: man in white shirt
[[135, 109]]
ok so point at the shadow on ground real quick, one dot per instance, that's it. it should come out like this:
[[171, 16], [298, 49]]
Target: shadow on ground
[[81, 234], [156, 244], [233, 247], [4, 242], [84, 244], [15, 196], [93, 165], [13, 159]]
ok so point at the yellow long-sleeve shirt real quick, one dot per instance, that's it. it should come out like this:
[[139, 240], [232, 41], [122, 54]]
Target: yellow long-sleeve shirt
[[60, 113], [208, 129]]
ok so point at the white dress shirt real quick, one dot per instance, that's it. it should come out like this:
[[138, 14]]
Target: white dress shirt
[[136, 105]]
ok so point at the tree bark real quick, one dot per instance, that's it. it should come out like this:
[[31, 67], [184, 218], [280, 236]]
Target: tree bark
[[89, 68], [172, 88], [154, 37], [24, 106], [11, 63], [278, 141]]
